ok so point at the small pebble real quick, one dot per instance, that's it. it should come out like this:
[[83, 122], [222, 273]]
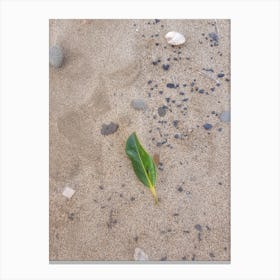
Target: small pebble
[[214, 36], [140, 255], [207, 126], [225, 116], [220, 75], [198, 227], [170, 85], [165, 67], [139, 104], [162, 111], [56, 56], [109, 129]]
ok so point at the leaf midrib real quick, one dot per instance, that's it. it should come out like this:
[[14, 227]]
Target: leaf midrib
[[149, 182]]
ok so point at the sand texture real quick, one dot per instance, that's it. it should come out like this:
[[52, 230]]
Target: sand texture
[[107, 64]]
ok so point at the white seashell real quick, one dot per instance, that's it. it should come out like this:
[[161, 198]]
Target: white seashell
[[139, 255], [68, 192], [175, 38]]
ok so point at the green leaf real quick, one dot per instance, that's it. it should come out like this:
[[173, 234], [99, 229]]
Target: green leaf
[[143, 164]]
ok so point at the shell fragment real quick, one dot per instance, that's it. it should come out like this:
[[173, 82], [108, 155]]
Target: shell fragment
[[140, 255], [68, 192], [175, 38]]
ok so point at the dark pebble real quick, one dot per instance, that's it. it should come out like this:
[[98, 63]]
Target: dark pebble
[[167, 99], [162, 111], [157, 20], [214, 36], [201, 91], [198, 227], [165, 67], [182, 93], [175, 123], [180, 189], [177, 136], [220, 75], [207, 126], [109, 129], [163, 259], [170, 85]]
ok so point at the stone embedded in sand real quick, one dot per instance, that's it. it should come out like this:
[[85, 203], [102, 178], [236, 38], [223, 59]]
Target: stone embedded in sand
[[175, 38], [139, 104], [109, 129], [225, 116], [162, 111], [56, 56], [68, 192], [140, 255]]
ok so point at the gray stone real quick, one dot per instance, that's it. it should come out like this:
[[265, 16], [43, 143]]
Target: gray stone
[[225, 116], [56, 56], [109, 129], [162, 111], [139, 104]]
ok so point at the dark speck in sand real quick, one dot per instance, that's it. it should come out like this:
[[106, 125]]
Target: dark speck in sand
[[220, 75], [157, 20], [211, 255], [175, 123], [165, 67], [220, 129], [162, 111], [212, 89], [149, 82], [214, 36], [167, 99], [182, 93], [177, 136], [180, 189], [198, 227], [207, 126], [154, 62], [170, 85], [201, 91], [163, 258], [109, 129]]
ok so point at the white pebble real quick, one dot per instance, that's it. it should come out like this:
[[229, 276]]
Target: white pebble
[[68, 192], [140, 255], [175, 38]]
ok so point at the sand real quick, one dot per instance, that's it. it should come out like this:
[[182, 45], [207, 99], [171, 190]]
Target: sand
[[107, 64]]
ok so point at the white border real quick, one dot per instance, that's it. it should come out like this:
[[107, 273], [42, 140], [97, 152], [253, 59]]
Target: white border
[[255, 138]]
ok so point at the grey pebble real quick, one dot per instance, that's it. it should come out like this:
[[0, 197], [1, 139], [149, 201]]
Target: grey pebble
[[207, 126], [162, 111], [225, 116], [139, 104], [198, 227], [109, 129], [56, 56], [214, 36]]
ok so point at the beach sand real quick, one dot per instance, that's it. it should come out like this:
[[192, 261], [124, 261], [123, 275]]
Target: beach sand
[[107, 64]]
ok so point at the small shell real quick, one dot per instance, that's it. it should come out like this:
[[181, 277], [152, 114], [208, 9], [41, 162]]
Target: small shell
[[175, 38], [68, 192], [140, 255]]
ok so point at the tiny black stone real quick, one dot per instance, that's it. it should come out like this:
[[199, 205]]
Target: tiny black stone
[[165, 67], [182, 93], [207, 126], [157, 20], [220, 75], [198, 227], [211, 255], [132, 198], [176, 136], [149, 82], [160, 92], [167, 99], [180, 189], [201, 91], [163, 258], [175, 123], [170, 85]]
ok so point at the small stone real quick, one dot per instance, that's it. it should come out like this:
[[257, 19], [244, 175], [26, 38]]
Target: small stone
[[180, 189], [201, 91], [225, 116], [139, 104], [56, 56], [109, 129], [162, 111], [207, 126], [165, 67], [220, 75], [214, 36], [68, 192], [170, 85], [175, 123], [198, 227], [140, 255]]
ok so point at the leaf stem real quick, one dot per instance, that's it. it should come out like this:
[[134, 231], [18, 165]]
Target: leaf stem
[[153, 191]]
